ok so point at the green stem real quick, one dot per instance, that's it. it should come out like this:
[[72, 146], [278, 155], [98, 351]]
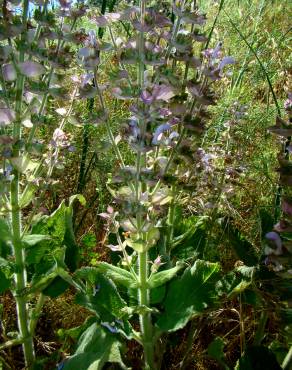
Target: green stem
[[287, 360], [20, 277], [146, 327], [260, 333], [36, 313]]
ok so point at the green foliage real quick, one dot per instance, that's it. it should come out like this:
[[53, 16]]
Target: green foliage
[[189, 295], [189, 237], [243, 248], [162, 277], [101, 296], [258, 358], [118, 275], [215, 350], [95, 347]]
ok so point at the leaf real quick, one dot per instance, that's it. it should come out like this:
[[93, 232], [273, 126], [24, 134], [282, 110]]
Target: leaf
[[190, 237], [257, 358], [31, 69], [236, 281], [118, 275], [103, 297], [34, 239], [242, 247], [5, 234], [162, 277], [28, 195], [23, 164], [189, 295], [96, 346], [215, 350], [4, 282]]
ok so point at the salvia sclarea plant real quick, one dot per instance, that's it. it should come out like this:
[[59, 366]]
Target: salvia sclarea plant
[[37, 46], [166, 79]]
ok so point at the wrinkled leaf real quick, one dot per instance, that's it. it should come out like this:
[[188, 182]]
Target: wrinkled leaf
[[162, 277], [189, 295], [96, 346]]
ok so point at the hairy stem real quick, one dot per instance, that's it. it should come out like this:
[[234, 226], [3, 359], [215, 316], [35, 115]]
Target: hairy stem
[[20, 277], [145, 317]]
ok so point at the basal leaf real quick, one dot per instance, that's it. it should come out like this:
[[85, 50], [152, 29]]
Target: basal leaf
[[96, 346]]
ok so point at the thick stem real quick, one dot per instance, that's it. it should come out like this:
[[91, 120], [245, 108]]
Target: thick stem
[[20, 275], [18, 250], [146, 327]]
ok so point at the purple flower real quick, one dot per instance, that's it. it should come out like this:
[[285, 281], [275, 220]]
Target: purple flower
[[110, 326], [158, 133], [96, 289]]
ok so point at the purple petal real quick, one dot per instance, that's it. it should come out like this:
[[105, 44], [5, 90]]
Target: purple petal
[[31, 69], [6, 116], [225, 61], [146, 97], [110, 327], [274, 238], [164, 92], [9, 72], [287, 207], [159, 130]]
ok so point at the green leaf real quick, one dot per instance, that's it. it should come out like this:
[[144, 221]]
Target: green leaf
[[34, 239], [258, 358], [102, 297], [162, 277], [244, 250], [4, 282], [189, 295], [118, 275], [28, 195], [215, 350], [189, 237], [96, 346], [236, 281], [78, 197], [5, 234], [23, 164]]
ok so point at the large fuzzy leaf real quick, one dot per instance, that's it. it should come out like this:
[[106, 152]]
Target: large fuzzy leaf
[[189, 295], [162, 277], [102, 297], [96, 346], [118, 275], [236, 281], [42, 255]]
